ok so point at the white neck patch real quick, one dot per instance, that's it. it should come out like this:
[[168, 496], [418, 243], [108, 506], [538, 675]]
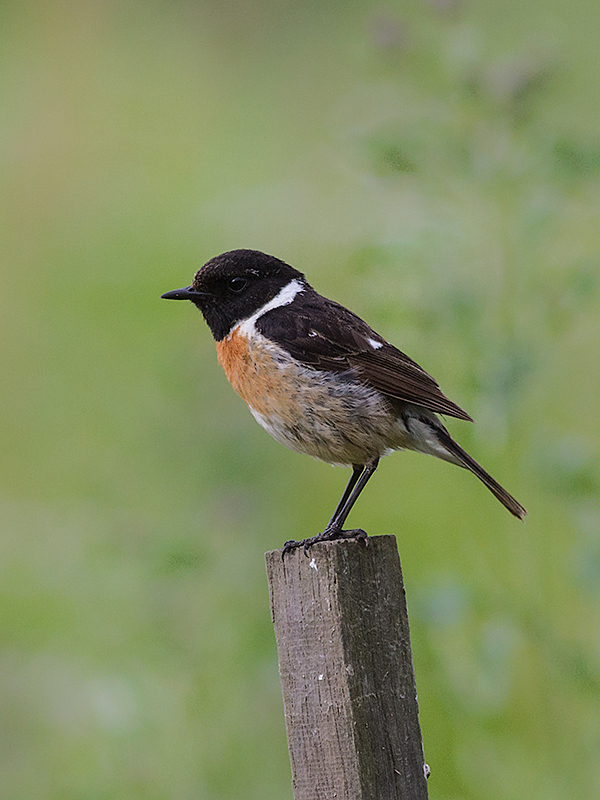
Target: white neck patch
[[283, 298]]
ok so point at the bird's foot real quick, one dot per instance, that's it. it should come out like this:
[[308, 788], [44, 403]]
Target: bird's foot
[[328, 535]]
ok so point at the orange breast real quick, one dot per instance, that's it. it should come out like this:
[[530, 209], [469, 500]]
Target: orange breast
[[309, 410], [253, 373]]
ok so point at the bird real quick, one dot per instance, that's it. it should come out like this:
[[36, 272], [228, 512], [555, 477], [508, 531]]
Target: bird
[[320, 380]]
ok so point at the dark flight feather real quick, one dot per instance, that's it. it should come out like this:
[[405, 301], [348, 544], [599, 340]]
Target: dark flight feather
[[467, 461], [322, 334]]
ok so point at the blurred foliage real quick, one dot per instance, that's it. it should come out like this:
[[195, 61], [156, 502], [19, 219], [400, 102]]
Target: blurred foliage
[[434, 165]]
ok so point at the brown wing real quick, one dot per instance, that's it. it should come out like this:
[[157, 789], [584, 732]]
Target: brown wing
[[322, 334], [398, 376]]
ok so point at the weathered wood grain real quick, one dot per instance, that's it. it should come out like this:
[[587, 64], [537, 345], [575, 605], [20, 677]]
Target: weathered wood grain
[[346, 671]]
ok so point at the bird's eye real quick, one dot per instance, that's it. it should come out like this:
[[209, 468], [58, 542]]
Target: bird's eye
[[237, 285]]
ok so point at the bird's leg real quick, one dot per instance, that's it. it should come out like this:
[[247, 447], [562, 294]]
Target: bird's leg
[[357, 469], [335, 523], [358, 481]]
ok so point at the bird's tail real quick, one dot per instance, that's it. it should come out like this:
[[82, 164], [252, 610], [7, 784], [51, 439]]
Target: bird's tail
[[465, 460]]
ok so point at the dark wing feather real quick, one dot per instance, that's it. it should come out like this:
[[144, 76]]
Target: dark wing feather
[[324, 335], [398, 376]]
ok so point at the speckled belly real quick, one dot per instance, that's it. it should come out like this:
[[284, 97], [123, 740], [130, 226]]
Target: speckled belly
[[329, 416]]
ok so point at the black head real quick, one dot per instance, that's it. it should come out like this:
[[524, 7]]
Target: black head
[[231, 287]]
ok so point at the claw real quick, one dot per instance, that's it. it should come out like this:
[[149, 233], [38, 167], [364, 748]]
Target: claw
[[290, 545], [361, 536], [325, 536]]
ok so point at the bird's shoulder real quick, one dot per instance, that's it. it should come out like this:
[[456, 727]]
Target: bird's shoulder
[[315, 330]]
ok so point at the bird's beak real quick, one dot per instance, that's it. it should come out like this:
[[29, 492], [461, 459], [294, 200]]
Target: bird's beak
[[187, 293]]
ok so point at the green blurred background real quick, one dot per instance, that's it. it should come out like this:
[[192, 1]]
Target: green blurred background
[[435, 166]]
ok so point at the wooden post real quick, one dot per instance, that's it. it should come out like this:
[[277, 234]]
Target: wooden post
[[346, 672]]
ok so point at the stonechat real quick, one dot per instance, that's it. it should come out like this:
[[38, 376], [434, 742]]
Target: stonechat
[[319, 379]]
